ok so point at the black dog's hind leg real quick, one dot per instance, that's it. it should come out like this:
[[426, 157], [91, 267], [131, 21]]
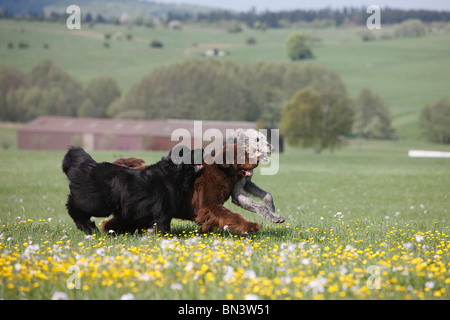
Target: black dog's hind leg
[[82, 220], [116, 225]]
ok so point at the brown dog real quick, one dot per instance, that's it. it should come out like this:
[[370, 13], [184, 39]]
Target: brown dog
[[205, 203]]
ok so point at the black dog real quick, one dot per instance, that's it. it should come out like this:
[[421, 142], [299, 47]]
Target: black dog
[[137, 198]]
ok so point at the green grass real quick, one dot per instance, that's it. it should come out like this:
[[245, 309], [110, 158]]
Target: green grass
[[359, 207], [406, 73], [393, 210]]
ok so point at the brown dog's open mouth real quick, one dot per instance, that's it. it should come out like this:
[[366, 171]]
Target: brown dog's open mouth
[[198, 167], [247, 173]]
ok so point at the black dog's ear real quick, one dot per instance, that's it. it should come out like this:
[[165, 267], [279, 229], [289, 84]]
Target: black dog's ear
[[167, 158], [180, 154]]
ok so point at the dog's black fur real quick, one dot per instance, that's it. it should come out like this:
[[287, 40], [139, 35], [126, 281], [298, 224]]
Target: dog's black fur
[[138, 199]]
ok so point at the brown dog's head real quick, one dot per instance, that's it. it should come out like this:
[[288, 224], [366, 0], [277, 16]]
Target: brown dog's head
[[233, 157]]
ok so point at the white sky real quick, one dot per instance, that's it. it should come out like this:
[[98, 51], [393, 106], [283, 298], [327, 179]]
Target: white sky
[[277, 5]]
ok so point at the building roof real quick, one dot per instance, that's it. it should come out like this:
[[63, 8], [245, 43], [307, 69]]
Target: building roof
[[161, 128]]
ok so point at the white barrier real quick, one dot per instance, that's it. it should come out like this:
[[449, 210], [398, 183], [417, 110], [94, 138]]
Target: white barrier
[[428, 154]]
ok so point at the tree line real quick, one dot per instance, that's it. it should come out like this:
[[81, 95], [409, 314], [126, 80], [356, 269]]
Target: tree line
[[48, 90], [33, 10], [309, 103], [330, 16]]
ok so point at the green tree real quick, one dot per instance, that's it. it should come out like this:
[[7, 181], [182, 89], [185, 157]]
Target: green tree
[[47, 76], [196, 89], [316, 119], [301, 118], [435, 121], [297, 47], [372, 117], [100, 92], [10, 81]]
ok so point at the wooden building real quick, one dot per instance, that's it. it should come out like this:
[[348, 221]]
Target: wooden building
[[58, 133]]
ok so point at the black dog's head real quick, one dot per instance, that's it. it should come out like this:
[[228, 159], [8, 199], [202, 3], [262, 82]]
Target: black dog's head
[[186, 160]]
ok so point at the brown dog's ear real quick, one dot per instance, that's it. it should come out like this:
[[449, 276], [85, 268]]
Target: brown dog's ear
[[219, 157]]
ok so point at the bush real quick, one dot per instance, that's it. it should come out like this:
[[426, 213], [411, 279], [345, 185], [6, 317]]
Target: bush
[[435, 121], [367, 35], [156, 44], [410, 28], [297, 47], [372, 118], [234, 28], [250, 41]]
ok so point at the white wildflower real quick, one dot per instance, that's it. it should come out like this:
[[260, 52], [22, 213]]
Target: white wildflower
[[58, 295], [250, 274], [229, 274], [189, 266], [176, 286], [408, 245], [127, 296], [429, 284], [144, 277], [305, 261], [317, 285]]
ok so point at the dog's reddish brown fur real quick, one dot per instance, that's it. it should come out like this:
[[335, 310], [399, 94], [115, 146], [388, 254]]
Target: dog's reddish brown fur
[[130, 163], [210, 191]]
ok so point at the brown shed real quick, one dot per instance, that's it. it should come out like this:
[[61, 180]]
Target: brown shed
[[58, 133]]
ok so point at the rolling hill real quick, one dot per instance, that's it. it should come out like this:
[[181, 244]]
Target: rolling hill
[[407, 73]]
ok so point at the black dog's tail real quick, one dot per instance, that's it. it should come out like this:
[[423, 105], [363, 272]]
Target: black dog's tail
[[74, 158]]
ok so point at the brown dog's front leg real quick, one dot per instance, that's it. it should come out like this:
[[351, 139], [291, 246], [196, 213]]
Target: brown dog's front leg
[[220, 217]]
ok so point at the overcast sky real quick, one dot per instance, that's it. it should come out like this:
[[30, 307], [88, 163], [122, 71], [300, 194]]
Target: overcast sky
[[277, 5]]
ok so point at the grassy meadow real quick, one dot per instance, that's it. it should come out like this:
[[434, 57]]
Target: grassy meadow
[[364, 223]]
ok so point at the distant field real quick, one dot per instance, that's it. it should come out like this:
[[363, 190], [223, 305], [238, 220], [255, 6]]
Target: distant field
[[406, 73], [363, 223]]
